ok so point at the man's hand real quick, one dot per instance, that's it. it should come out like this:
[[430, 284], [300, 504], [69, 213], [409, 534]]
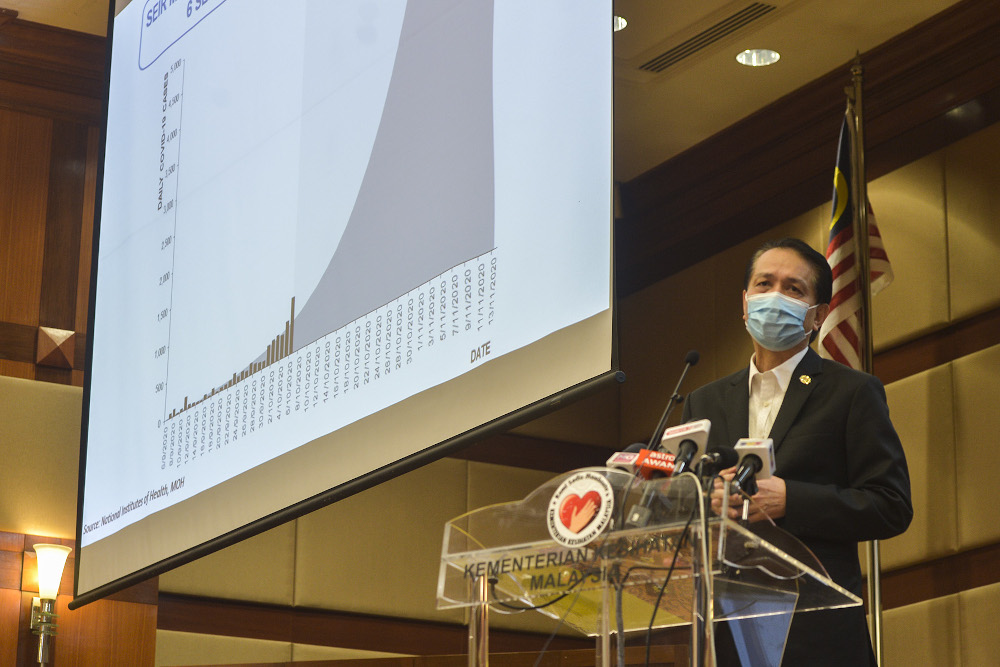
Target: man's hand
[[769, 500]]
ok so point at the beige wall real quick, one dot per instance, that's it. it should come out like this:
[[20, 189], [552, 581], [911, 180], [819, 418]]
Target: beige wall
[[39, 457], [955, 629], [922, 407], [946, 419], [185, 648]]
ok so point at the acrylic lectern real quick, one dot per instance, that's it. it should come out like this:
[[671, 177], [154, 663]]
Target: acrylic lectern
[[607, 553]]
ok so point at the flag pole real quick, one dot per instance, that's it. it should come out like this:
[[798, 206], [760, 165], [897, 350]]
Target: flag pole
[[862, 257]]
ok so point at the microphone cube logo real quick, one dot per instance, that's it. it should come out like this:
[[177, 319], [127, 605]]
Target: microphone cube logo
[[580, 509]]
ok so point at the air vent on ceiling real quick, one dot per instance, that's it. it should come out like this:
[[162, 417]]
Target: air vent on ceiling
[[708, 36]]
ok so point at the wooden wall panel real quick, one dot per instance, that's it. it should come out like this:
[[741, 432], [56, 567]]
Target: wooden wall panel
[[25, 144], [334, 628], [86, 252], [17, 342], [11, 556], [953, 574], [107, 632], [63, 231], [51, 86], [10, 569], [10, 614], [117, 631], [63, 226], [51, 72], [17, 369], [652, 346]]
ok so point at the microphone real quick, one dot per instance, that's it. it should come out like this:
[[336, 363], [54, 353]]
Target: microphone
[[690, 359], [756, 461], [644, 462], [686, 442], [653, 464], [717, 459], [648, 464], [625, 459]]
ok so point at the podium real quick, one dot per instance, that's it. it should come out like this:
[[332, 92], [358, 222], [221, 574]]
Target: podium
[[606, 553]]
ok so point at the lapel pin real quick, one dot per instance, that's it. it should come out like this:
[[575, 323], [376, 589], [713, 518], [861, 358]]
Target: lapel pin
[[805, 379]]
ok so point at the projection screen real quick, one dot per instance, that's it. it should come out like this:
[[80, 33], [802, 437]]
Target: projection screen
[[334, 239]]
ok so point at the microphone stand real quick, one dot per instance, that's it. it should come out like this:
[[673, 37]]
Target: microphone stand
[[702, 649], [690, 360], [703, 632]]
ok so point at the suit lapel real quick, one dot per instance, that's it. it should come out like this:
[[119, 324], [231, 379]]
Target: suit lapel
[[738, 416], [799, 387]]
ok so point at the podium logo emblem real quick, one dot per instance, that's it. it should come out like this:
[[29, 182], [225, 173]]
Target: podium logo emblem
[[580, 509]]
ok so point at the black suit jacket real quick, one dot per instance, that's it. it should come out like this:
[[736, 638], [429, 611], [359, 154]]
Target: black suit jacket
[[841, 460]]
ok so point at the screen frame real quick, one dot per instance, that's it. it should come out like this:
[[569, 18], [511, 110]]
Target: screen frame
[[434, 452]]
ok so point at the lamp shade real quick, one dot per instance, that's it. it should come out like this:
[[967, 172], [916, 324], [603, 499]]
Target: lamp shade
[[51, 560]]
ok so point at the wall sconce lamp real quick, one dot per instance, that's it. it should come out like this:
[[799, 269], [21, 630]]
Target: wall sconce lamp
[[51, 561]]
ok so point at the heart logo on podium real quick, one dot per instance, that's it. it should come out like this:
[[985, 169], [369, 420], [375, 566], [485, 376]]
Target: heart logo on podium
[[577, 512], [581, 507]]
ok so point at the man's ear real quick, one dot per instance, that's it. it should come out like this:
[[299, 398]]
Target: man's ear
[[822, 311]]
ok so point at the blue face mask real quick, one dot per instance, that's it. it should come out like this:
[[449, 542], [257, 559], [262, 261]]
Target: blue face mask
[[776, 321]]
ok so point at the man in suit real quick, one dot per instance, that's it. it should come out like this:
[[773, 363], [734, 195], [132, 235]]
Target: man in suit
[[841, 476]]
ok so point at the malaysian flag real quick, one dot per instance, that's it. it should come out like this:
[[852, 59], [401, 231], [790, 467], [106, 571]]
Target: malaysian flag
[[840, 335]]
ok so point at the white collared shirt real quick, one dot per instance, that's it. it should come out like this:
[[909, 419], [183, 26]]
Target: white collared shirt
[[767, 391]]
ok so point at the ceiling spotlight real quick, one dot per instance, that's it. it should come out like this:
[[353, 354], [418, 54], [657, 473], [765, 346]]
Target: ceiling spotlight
[[758, 57], [619, 23]]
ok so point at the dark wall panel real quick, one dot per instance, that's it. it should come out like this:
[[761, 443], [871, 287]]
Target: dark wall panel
[[51, 85]]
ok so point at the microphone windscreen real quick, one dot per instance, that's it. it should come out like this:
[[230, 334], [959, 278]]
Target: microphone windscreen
[[696, 431], [726, 456], [763, 449], [692, 357]]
